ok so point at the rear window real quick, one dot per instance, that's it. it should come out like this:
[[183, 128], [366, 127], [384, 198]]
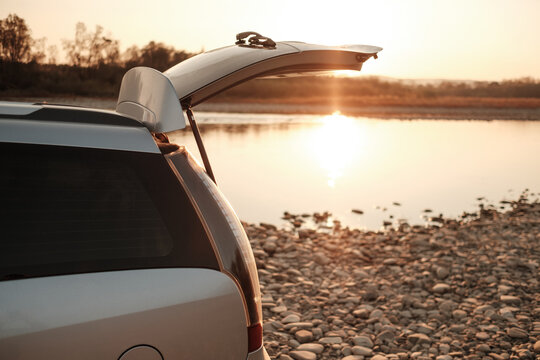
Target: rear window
[[71, 210]]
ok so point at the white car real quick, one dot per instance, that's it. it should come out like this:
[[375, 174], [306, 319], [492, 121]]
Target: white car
[[117, 244]]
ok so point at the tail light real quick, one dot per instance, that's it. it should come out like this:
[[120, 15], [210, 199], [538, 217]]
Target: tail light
[[233, 248]]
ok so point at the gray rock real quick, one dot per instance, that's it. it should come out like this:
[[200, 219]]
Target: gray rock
[[424, 329], [447, 306], [361, 313], [279, 309], [321, 259], [442, 273], [362, 340], [361, 350], [376, 314], [510, 300], [444, 348], [483, 348], [300, 325], [444, 357], [482, 335], [304, 336], [292, 318], [441, 288], [459, 314], [517, 333], [331, 340], [386, 335], [314, 348], [303, 355], [419, 339]]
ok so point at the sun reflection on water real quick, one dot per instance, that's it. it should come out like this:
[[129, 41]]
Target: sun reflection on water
[[336, 144]]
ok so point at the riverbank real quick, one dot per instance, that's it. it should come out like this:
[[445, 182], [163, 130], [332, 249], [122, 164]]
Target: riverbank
[[466, 288], [375, 107]]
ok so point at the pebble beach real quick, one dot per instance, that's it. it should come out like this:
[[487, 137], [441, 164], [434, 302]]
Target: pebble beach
[[465, 288]]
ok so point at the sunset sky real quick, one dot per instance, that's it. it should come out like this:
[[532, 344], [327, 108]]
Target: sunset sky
[[426, 39]]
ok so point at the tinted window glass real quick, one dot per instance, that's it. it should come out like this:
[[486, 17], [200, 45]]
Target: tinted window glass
[[68, 210]]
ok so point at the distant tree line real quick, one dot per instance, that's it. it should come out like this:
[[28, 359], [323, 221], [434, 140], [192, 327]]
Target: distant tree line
[[94, 63], [373, 86], [95, 66]]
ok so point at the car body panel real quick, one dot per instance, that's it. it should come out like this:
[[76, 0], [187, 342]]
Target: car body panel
[[69, 126], [184, 313], [231, 241], [147, 95], [207, 74]]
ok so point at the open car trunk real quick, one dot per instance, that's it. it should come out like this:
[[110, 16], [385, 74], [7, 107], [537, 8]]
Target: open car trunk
[[207, 74]]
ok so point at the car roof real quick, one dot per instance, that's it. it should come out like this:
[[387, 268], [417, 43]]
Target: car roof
[[72, 126]]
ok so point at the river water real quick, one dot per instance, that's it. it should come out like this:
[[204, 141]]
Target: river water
[[391, 170]]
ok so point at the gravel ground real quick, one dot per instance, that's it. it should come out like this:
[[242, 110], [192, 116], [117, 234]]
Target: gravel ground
[[466, 288]]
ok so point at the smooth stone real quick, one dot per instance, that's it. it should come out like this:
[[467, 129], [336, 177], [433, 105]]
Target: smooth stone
[[353, 357], [300, 325], [482, 335], [362, 340], [536, 347], [361, 350], [441, 288], [483, 348], [442, 273], [511, 300], [447, 306], [331, 340], [419, 339], [424, 329], [443, 357], [304, 336], [279, 309], [284, 357], [314, 348], [517, 333], [321, 259], [386, 335], [379, 357], [459, 314], [361, 313], [293, 318], [303, 355]]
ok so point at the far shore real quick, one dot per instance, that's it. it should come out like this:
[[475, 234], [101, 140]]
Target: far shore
[[382, 108]]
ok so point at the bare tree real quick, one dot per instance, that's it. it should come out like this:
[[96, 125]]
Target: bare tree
[[15, 39], [91, 49], [38, 50], [52, 54]]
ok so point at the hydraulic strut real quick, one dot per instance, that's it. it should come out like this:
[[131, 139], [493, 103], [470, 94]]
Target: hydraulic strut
[[200, 144]]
